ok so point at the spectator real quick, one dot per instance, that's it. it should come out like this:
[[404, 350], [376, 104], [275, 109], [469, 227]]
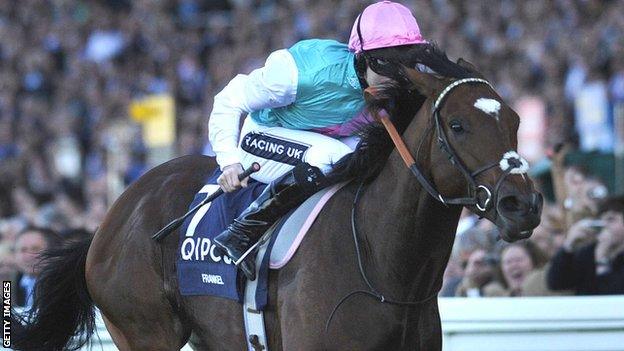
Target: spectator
[[548, 237], [550, 234], [452, 277], [597, 266], [7, 262], [584, 194], [479, 272], [518, 260], [29, 244]]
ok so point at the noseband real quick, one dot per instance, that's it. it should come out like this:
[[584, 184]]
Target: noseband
[[510, 163]]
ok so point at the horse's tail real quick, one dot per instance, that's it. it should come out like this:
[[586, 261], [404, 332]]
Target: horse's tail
[[63, 315]]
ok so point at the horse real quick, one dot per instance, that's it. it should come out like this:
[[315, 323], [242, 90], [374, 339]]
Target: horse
[[365, 277]]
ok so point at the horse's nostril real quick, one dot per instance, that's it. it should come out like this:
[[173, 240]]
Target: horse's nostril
[[536, 203], [519, 215], [511, 204]]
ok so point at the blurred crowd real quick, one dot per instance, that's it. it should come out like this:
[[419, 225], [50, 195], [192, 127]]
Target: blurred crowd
[[578, 248], [70, 69]]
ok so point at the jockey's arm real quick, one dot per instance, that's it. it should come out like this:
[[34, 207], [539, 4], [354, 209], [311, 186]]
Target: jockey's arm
[[273, 85]]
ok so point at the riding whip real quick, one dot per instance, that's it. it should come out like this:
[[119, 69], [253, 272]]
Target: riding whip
[[173, 225]]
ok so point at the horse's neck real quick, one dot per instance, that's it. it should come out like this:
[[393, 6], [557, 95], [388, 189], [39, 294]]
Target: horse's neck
[[408, 234]]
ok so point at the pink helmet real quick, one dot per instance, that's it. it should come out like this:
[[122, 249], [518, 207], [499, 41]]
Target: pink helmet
[[384, 24]]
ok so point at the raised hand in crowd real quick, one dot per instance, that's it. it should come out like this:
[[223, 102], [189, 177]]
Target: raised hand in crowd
[[610, 242], [597, 266], [581, 233]]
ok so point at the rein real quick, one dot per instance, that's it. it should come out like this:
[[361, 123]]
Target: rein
[[372, 292]]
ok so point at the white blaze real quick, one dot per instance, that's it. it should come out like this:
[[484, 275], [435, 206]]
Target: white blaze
[[489, 106]]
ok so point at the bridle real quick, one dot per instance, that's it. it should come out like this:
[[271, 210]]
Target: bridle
[[511, 163]]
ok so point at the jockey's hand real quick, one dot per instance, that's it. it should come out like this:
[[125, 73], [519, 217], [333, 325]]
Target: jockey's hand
[[228, 181]]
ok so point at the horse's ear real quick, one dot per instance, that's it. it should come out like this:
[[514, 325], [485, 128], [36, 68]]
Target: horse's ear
[[469, 66], [427, 84]]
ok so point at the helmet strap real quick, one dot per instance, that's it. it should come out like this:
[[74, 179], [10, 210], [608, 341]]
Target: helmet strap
[[359, 31]]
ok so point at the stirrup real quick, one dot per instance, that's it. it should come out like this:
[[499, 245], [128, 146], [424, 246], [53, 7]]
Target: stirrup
[[250, 256], [248, 267]]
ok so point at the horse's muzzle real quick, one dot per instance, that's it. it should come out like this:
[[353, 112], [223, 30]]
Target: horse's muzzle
[[518, 215]]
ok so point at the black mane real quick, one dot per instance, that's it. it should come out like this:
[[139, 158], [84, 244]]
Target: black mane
[[401, 102], [431, 56]]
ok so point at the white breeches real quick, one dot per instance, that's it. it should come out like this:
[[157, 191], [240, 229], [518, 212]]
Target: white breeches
[[278, 149]]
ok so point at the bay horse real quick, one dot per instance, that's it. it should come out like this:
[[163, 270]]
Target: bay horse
[[370, 286]]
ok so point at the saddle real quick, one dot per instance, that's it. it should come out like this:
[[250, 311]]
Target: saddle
[[202, 270]]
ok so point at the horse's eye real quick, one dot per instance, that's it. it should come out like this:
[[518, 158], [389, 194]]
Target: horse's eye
[[456, 127]]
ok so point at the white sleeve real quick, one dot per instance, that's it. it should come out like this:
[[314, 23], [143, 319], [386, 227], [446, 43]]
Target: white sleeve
[[271, 86]]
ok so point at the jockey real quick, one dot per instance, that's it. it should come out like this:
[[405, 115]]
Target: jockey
[[304, 106]]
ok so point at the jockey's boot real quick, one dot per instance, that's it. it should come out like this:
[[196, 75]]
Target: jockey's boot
[[279, 197]]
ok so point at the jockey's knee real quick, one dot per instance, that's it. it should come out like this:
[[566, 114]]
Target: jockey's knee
[[325, 156]]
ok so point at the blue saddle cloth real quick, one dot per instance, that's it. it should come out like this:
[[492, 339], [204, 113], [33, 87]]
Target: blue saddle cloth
[[200, 270]]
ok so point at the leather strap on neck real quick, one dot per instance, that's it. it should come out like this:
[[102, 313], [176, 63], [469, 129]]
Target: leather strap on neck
[[383, 117]]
